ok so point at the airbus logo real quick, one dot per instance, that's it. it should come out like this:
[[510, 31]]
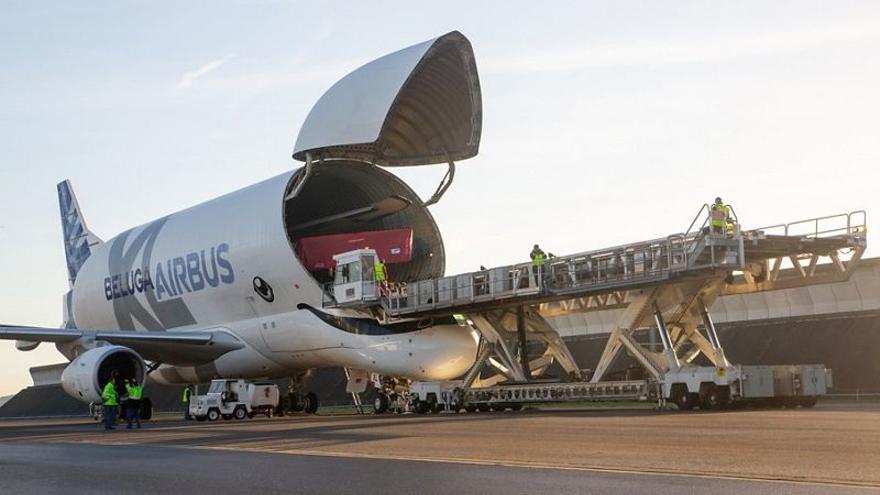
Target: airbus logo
[[192, 272]]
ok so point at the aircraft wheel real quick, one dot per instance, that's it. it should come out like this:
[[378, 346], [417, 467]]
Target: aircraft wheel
[[435, 407], [483, 407], [420, 407], [516, 407], [240, 413], [380, 404], [470, 408], [213, 415], [146, 409], [310, 403]]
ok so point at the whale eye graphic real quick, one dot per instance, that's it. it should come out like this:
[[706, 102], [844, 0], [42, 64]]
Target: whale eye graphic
[[263, 288]]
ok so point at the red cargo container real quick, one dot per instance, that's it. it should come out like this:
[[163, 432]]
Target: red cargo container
[[316, 253]]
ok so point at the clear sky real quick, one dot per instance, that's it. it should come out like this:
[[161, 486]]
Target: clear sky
[[604, 122]]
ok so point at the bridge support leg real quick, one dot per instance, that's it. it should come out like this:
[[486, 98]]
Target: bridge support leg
[[718, 352], [668, 349], [503, 356], [523, 343], [556, 347]]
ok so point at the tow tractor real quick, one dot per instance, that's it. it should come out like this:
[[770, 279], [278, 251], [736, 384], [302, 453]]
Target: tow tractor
[[237, 399]]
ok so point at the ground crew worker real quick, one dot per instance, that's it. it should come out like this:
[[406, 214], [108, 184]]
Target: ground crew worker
[[538, 258], [110, 401], [187, 392], [379, 272], [133, 408], [719, 216]]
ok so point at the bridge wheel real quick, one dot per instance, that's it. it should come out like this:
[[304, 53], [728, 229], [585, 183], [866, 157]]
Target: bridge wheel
[[685, 400], [679, 396], [717, 397]]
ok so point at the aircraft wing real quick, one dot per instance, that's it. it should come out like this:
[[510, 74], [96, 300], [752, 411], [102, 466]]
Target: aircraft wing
[[177, 348]]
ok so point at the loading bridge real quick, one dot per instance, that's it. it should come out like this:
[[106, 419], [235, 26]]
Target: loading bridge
[[666, 284], [607, 272]]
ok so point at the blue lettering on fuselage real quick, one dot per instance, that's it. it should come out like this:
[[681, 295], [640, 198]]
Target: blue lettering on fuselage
[[192, 272]]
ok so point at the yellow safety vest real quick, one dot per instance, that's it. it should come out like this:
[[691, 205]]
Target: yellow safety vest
[[135, 392], [538, 259], [186, 393], [108, 395], [719, 215], [379, 271]]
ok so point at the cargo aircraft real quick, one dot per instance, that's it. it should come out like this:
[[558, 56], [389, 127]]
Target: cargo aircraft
[[235, 287]]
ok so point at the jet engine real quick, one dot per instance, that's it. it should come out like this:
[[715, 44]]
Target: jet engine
[[85, 377]]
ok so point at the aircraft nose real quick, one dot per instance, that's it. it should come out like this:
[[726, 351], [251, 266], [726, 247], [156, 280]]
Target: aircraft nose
[[447, 352]]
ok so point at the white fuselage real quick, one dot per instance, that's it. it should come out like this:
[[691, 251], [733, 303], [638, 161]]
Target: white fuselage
[[195, 270]]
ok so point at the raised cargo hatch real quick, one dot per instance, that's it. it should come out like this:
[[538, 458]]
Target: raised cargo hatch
[[417, 106]]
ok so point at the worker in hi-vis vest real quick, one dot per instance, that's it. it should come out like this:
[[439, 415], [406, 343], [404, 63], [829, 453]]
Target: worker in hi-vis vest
[[380, 275], [110, 400], [538, 258], [187, 393], [719, 217], [133, 407]]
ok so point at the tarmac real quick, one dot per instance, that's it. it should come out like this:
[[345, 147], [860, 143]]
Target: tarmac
[[831, 449]]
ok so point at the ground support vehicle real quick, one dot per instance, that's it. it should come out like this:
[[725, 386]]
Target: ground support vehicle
[[236, 399]]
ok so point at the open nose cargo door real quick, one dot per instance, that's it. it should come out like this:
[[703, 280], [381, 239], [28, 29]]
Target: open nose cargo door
[[417, 106]]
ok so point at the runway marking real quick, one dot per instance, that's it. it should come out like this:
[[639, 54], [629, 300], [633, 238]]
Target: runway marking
[[538, 465]]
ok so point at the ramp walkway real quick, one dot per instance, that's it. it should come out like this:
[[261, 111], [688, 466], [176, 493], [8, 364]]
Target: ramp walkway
[[697, 253]]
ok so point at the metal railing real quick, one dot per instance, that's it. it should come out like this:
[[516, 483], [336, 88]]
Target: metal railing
[[706, 217], [605, 269], [843, 224], [594, 271]]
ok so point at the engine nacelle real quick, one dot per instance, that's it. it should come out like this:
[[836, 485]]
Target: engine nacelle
[[85, 377]]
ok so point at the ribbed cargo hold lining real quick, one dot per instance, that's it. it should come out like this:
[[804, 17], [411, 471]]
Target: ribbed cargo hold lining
[[336, 188], [436, 116]]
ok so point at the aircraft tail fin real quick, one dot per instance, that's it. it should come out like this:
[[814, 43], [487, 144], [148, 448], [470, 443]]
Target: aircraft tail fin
[[78, 239]]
